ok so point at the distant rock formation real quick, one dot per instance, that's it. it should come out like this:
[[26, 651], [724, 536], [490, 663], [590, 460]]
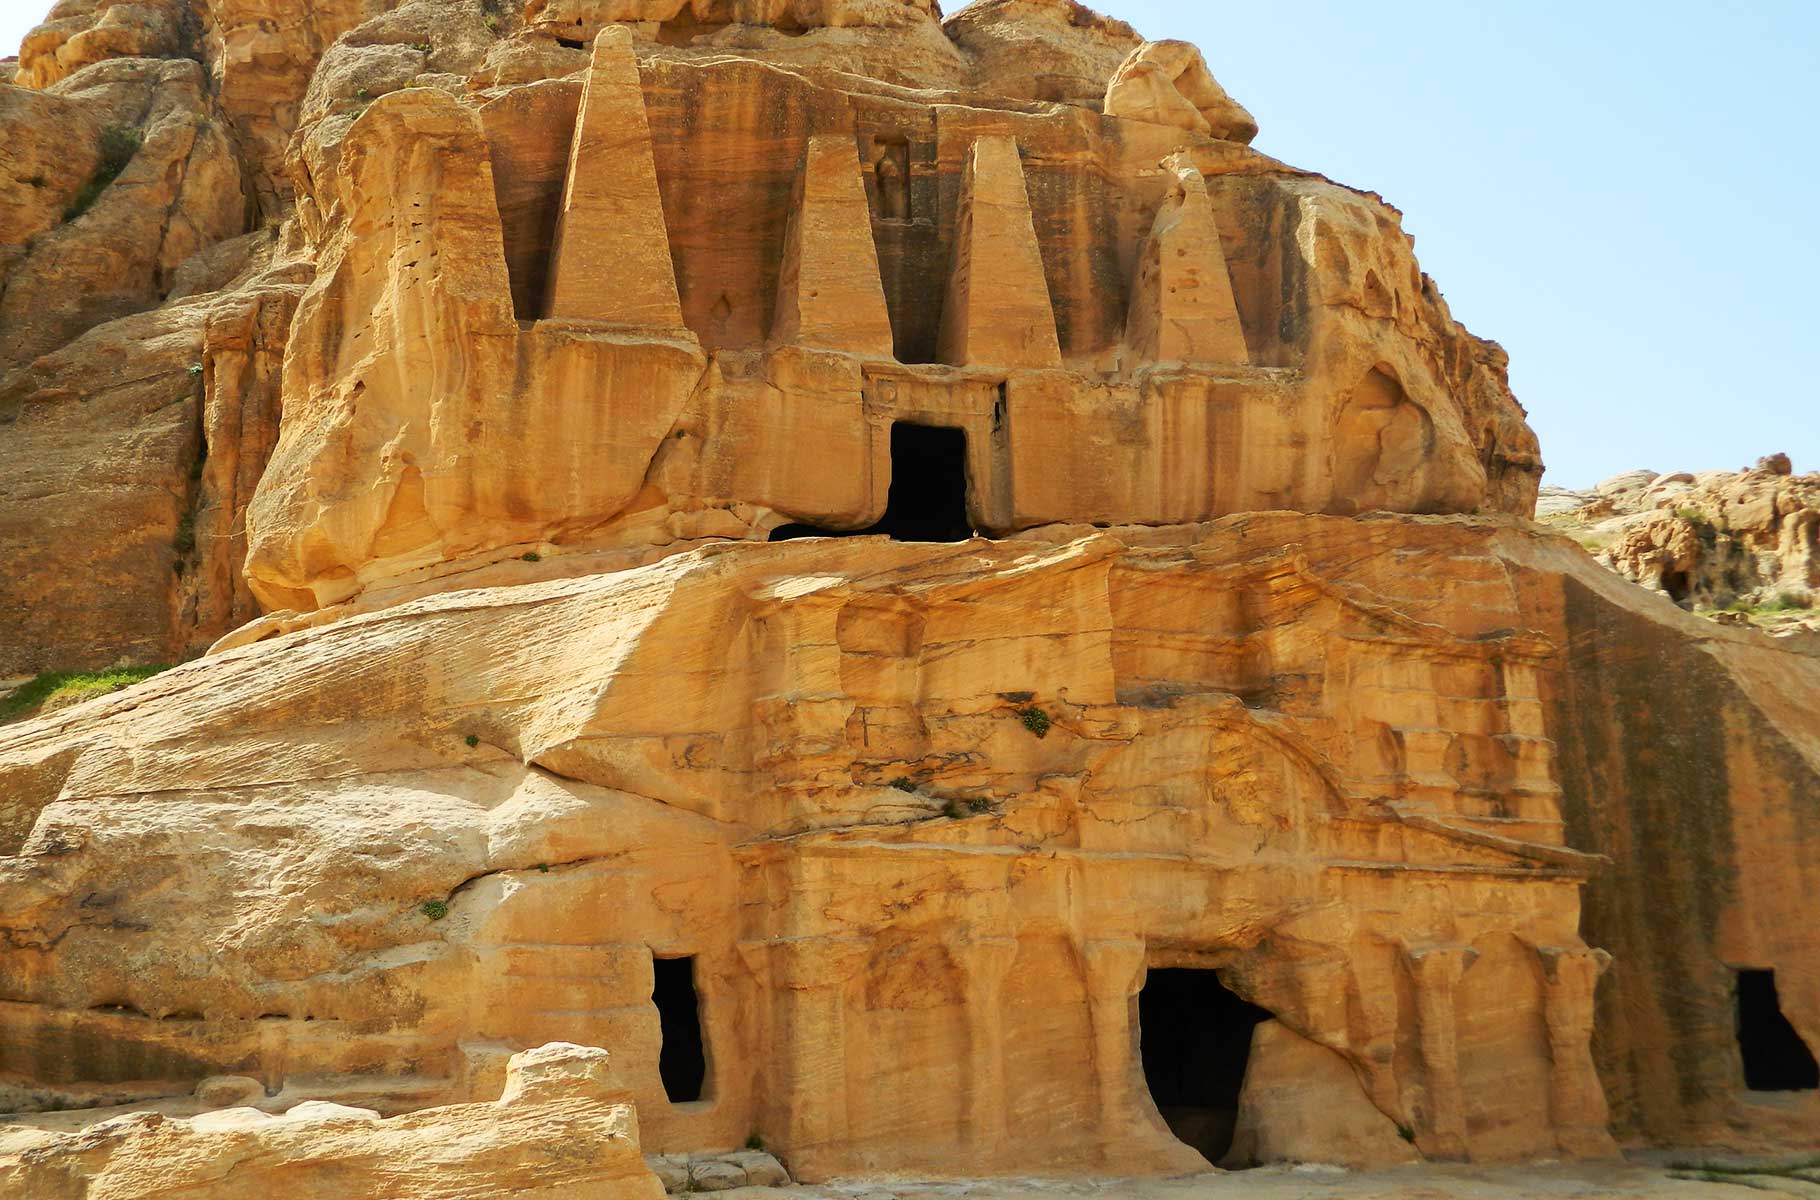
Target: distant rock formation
[[1743, 546]]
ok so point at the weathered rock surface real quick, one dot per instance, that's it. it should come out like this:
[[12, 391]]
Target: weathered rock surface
[[177, 193], [1743, 545], [127, 459], [1168, 83], [588, 772], [1329, 349], [561, 1129], [877, 849], [1340, 366], [1055, 50], [1299, 1105], [259, 54]]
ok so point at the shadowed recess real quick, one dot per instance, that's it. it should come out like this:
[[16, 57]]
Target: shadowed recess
[[1775, 1057], [1195, 1040], [928, 501], [682, 1061]]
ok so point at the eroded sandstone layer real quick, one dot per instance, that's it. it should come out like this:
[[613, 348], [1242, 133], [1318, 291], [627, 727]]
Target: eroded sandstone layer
[[1204, 756]]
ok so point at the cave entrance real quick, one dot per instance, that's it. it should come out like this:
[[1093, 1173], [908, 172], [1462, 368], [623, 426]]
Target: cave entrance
[[1775, 1057], [1677, 585], [928, 500], [682, 1056], [1194, 1036]]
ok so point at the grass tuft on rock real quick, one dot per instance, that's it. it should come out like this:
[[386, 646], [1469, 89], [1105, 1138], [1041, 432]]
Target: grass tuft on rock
[[118, 145], [184, 540], [60, 689]]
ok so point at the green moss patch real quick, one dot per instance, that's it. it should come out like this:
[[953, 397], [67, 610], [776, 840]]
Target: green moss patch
[[60, 689]]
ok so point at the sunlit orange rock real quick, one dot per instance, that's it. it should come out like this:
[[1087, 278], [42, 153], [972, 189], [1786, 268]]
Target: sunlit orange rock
[[1202, 759]]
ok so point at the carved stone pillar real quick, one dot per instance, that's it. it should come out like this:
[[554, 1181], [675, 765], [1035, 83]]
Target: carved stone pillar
[[809, 1044], [1576, 1101], [1441, 1125], [986, 963], [1373, 1026], [1113, 967]]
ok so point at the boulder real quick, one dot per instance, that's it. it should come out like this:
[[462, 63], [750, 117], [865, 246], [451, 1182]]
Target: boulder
[[553, 1135]]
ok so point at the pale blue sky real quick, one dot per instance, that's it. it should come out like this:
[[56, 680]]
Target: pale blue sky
[[1622, 193]]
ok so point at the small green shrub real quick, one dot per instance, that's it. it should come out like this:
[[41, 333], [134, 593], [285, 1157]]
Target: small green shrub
[[61, 688], [1035, 720], [423, 47], [184, 540], [1703, 526], [195, 369], [436, 910], [472, 740], [1406, 1133], [363, 93], [543, 868], [958, 809], [903, 783], [1788, 602], [754, 1141], [531, 556], [118, 145], [37, 181]]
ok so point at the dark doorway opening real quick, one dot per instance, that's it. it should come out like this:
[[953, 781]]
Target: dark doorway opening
[[1775, 1057], [682, 1058], [1194, 1036], [928, 500], [1676, 584]]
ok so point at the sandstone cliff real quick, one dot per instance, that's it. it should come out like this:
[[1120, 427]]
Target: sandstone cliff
[[1199, 754], [274, 167]]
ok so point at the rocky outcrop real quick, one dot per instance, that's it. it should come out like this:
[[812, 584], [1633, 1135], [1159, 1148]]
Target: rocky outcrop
[[1052, 50], [259, 56], [1744, 546], [561, 1128], [120, 173], [127, 460], [509, 760], [1168, 83], [81, 33], [1332, 346]]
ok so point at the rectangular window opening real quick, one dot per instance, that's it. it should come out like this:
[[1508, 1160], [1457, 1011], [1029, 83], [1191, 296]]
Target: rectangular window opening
[[927, 501], [682, 1057]]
